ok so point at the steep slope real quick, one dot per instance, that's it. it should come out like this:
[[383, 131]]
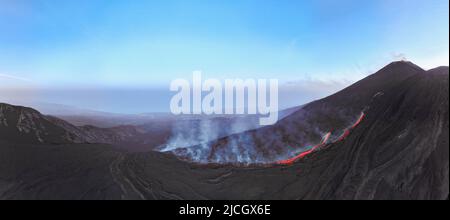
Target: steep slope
[[305, 128]]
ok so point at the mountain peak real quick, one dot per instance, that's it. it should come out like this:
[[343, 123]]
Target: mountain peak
[[402, 65]]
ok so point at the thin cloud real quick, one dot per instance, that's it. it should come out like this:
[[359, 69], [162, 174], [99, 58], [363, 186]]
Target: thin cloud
[[18, 78]]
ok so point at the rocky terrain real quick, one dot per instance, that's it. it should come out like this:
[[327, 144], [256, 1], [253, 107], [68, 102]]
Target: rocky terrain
[[307, 126], [22, 124], [399, 150]]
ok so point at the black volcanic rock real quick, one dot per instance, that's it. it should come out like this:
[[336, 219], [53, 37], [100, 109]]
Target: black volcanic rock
[[307, 126], [399, 151]]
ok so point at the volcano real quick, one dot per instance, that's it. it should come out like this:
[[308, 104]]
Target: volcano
[[385, 137], [306, 127]]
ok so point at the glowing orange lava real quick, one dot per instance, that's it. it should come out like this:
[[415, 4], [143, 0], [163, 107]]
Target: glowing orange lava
[[322, 143]]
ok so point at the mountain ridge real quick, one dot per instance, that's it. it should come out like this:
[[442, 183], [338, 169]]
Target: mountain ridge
[[38, 128]]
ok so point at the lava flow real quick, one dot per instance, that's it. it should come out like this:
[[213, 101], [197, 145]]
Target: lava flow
[[322, 143], [306, 153], [348, 131]]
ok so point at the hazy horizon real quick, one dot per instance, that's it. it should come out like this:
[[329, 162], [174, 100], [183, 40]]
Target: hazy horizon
[[137, 101], [120, 57]]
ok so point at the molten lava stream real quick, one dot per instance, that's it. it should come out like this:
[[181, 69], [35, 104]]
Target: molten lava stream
[[323, 142], [344, 135], [306, 153], [360, 119]]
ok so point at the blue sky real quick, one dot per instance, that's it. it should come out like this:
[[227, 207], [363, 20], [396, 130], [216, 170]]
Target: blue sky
[[146, 44]]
